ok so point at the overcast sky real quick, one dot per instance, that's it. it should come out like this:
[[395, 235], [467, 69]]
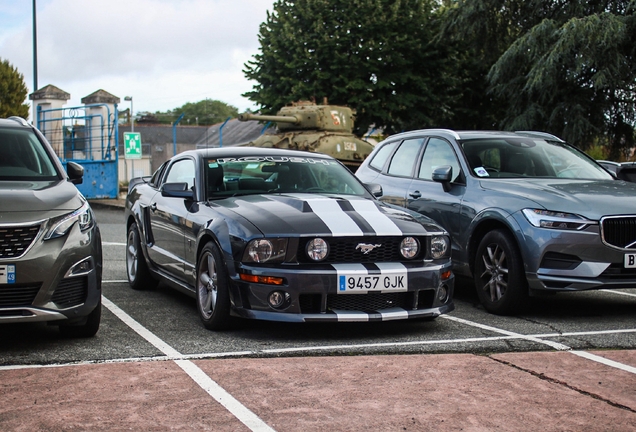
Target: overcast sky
[[163, 53]]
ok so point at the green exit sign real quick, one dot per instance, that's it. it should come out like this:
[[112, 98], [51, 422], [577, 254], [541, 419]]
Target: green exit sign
[[132, 145]]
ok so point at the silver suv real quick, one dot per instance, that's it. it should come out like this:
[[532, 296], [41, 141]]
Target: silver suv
[[50, 245]]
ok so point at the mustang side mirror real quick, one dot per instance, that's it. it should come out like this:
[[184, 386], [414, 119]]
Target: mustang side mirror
[[75, 172], [375, 189], [443, 175], [177, 190]]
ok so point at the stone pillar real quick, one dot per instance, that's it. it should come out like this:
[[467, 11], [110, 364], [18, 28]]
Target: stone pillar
[[50, 123], [100, 116]]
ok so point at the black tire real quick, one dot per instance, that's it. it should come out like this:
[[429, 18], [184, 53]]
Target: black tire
[[212, 292], [139, 277], [86, 330], [499, 277]]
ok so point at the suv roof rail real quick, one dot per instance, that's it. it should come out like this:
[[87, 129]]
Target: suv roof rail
[[544, 135], [20, 120]]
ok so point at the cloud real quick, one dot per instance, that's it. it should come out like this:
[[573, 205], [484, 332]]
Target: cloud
[[163, 52]]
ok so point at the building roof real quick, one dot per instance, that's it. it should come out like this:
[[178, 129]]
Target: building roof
[[50, 92], [234, 132], [100, 96]]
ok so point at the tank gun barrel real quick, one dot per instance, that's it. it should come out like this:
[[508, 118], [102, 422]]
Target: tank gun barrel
[[270, 118]]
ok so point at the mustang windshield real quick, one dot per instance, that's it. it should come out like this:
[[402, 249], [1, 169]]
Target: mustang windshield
[[267, 174], [529, 157]]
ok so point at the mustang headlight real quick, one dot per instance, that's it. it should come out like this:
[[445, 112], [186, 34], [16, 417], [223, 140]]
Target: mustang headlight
[[265, 250], [61, 225], [409, 247], [439, 246], [556, 220], [317, 249]]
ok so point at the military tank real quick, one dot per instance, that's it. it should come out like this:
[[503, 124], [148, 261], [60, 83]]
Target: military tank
[[307, 126]]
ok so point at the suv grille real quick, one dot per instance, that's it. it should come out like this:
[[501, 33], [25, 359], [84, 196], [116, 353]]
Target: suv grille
[[343, 250], [18, 295], [71, 292], [14, 241], [619, 232]]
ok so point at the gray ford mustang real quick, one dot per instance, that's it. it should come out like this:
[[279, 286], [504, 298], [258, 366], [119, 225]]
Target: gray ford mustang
[[282, 235]]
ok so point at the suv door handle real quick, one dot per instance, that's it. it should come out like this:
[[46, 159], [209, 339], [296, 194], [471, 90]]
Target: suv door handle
[[415, 194], [153, 206]]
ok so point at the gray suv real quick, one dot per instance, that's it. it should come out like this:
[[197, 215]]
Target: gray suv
[[527, 213], [50, 246]]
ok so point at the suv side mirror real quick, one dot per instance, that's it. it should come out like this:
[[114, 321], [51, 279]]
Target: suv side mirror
[[75, 172], [443, 175]]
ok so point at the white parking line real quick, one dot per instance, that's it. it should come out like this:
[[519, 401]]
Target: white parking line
[[620, 293], [552, 344], [240, 411]]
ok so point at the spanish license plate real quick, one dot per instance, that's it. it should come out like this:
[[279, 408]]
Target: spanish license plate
[[630, 260], [370, 283], [7, 274]]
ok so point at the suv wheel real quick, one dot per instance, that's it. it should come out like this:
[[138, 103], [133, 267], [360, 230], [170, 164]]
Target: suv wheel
[[498, 273]]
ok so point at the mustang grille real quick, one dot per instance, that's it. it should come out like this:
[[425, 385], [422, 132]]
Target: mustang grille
[[370, 301], [14, 241], [71, 292], [343, 250], [619, 232], [18, 295]]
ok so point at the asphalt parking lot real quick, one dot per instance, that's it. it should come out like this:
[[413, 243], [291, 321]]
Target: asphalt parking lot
[[567, 363]]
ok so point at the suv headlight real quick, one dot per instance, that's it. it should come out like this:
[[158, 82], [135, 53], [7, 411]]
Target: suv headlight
[[61, 225], [556, 220]]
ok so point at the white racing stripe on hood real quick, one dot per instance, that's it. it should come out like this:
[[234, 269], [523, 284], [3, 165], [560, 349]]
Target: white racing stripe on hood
[[381, 223], [336, 219]]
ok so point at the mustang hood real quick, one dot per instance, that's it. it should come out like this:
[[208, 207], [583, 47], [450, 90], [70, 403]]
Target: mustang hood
[[589, 198], [311, 214]]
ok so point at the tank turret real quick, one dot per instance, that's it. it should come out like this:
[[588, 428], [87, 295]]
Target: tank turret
[[321, 128]]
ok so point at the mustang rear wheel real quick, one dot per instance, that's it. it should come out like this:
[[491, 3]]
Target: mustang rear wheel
[[213, 297], [139, 276], [498, 273]]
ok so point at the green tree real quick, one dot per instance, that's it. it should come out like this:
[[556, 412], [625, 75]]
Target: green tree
[[380, 57], [13, 92], [204, 112], [565, 67]]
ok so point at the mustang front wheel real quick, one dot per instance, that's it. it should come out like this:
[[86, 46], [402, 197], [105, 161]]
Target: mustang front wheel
[[213, 297], [498, 272]]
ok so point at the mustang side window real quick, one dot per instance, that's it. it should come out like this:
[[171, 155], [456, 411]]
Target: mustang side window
[[182, 171], [438, 153], [405, 157]]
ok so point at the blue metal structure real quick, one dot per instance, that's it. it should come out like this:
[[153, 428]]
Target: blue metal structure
[[87, 135]]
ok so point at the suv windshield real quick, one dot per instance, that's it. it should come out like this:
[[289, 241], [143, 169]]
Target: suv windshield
[[23, 157], [258, 175], [529, 157]]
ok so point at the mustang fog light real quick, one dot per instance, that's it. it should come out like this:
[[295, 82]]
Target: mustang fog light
[[439, 247], [317, 249], [442, 294], [409, 247], [279, 299]]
